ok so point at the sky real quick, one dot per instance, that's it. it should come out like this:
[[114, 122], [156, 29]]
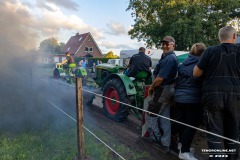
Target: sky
[[26, 23]]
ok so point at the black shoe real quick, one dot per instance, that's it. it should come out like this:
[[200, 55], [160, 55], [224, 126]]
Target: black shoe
[[164, 149]]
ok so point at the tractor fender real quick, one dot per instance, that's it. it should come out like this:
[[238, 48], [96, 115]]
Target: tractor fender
[[127, 82]]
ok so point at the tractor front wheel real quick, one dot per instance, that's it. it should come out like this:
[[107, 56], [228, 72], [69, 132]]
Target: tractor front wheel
[[115, 90]]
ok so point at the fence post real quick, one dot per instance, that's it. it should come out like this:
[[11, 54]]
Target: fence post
[[79, 109]]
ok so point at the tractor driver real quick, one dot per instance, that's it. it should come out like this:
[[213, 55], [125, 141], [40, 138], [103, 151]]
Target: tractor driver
[[69, 61], [139, 62]]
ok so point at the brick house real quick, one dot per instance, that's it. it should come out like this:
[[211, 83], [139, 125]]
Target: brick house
[[82, 45], [51, 58]]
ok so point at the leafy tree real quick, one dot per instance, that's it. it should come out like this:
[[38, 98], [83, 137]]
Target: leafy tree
[[110, 55], [49, 45], [188, 21], [59, 48]]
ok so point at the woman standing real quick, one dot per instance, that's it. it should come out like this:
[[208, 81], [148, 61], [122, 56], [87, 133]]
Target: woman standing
[[187, 96]]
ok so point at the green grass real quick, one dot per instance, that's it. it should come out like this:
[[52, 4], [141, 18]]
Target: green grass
[[61, 144]]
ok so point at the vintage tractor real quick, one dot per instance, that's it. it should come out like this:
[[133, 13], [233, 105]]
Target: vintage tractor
[[117, 86], [69, 73]]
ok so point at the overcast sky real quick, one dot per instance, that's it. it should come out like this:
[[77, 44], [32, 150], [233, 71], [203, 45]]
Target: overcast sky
[[26, 23]]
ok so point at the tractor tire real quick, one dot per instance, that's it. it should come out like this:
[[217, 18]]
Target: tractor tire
[[56, 73], [115, 89]]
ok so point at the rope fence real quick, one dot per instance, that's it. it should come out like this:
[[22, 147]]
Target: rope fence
[[54, 105], [199, 129]]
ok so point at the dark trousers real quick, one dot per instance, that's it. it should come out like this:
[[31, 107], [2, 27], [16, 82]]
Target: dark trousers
[[191, 114], [222, 116]]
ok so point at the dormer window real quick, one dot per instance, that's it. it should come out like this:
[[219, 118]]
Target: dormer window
[[80, 39]]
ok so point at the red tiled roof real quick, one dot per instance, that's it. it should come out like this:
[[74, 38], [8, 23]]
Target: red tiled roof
[[74, 43]]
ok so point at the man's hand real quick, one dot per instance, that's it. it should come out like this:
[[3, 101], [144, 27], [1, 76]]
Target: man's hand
[[150, 91]]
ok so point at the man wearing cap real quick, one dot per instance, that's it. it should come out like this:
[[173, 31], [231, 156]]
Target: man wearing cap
[[162, 88]]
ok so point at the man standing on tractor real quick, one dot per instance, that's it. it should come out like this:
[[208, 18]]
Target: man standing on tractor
[[69, 61], [139, 62], [161, 92]]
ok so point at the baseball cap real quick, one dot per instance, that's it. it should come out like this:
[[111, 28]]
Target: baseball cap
[[168, 39]]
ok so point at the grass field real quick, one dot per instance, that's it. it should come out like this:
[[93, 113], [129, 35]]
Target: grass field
[[60, 143], [50, 141]]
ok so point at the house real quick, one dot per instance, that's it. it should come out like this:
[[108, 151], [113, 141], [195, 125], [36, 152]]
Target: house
[[51, 58], [82, 45]]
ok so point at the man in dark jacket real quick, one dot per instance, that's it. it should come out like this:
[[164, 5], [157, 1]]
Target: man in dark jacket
[[139, 62], [221, 92]]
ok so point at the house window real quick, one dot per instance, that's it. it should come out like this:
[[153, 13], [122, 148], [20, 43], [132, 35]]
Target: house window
[[80, 39], [68, 49], [56, 59], [90, 49], [86, 49], [63, 58], [45, 60], [88, 40]]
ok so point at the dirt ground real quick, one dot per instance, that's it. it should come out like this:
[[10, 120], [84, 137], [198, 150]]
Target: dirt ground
[[128, 132]]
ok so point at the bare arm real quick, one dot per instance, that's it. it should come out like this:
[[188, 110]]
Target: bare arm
[[157, 82], [197, 72], [63, 62]]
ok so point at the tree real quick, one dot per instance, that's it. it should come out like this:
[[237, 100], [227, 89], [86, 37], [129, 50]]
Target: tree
[[49, 45], [59, 48], [188, 21], [110, 55]]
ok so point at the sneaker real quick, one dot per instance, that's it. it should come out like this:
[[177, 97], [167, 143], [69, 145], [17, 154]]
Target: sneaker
[[179, 146], [187, 156]]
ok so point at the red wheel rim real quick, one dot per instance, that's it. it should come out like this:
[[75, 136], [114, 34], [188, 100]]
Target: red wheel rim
[[112, 106]]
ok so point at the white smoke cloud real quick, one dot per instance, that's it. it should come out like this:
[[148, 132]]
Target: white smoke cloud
[[116, 29], [25, 25]]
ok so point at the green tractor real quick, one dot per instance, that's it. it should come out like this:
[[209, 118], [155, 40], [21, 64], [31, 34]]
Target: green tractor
[[70, 72], [119, 87]]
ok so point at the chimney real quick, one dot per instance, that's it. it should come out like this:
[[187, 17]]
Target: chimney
[[77, 34]]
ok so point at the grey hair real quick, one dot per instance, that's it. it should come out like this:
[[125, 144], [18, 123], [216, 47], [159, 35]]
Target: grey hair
[[226, 33]]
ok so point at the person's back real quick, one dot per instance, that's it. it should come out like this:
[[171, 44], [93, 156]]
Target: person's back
[[223, 67], [139, 62], [187, 97], [219, 66], [84, 64], [188, 88]]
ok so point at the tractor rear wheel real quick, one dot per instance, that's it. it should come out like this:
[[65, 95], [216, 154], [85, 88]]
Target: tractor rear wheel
[[115, 90]]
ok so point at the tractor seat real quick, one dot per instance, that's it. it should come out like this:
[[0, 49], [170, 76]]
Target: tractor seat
[[72, 65], [142, 75]]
